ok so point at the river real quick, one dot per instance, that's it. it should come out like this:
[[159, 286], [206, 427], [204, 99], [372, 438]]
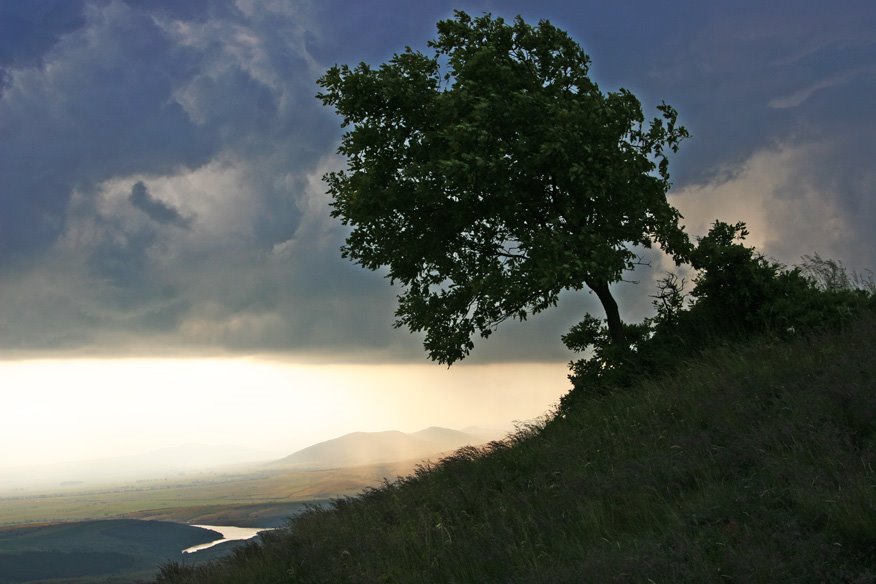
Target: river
[[229, 533]]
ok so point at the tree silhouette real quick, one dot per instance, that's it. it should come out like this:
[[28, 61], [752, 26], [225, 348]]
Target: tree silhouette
[[493, 174]]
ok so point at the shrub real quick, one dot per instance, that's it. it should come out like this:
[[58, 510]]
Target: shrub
[[737, 293]]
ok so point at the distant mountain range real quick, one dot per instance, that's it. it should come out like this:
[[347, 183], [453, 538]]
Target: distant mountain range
[[191, 460], [361, 448]]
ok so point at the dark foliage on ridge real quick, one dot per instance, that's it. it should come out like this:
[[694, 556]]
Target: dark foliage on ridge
[[738, 293]]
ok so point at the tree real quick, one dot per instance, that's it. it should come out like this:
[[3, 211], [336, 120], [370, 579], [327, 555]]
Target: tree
[[493, 174]]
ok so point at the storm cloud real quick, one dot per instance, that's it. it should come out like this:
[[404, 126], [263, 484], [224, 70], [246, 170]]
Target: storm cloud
[[157, 210], [161, 162]]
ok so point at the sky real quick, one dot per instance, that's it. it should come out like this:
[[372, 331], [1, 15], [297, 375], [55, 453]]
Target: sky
[[161, 196]]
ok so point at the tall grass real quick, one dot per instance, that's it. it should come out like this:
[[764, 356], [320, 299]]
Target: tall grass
[[752, 463]]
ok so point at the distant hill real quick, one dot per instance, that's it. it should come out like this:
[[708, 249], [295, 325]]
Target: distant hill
[[361, 448]]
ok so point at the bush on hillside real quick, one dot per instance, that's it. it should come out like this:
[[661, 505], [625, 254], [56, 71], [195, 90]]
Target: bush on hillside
[[738, 292]]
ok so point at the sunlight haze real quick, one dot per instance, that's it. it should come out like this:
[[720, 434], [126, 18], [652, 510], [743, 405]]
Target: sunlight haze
[[70, 410]]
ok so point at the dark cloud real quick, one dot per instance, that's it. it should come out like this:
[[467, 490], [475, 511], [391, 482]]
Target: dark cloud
[[103, 106], [157, 210], [207, 108], [190, 10], [737, 64], [29, 29]]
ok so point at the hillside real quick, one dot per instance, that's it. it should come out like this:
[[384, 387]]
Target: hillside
[[360, 448], [755, 462]]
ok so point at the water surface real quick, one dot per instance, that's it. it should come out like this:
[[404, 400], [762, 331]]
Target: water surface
[[229, 533]]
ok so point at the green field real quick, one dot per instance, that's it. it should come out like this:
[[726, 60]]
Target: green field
[[119, 534], [257, 498], [93, 551]]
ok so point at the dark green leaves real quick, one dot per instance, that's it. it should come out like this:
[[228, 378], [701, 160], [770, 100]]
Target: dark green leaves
[[493, 174]]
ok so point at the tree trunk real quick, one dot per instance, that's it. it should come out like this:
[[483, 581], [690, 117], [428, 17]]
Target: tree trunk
[[612, 315]]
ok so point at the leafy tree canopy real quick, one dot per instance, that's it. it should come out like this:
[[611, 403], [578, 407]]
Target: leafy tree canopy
[[493, 174]]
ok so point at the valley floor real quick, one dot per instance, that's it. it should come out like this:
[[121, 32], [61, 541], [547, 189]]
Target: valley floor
[[120, 534]]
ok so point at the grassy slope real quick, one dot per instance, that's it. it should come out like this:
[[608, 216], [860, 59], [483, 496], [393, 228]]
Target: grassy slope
[[753, 464]]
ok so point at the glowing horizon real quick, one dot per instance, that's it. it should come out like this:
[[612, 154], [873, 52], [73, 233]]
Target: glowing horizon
[[83, 409]]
